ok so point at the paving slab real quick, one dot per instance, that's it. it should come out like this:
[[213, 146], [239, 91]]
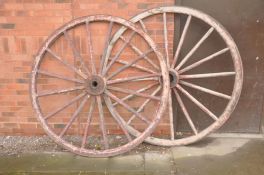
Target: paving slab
[[52, 163], [129, 164], [222, 156], [159, 163]]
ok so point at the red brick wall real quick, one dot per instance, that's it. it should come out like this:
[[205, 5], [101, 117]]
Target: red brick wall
[[24, 25]]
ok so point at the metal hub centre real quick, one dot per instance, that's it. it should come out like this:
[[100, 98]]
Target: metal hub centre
[[95, 85], [174, 78]]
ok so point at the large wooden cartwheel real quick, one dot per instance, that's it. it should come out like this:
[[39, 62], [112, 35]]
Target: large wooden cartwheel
[[183, 80], [84, 98]]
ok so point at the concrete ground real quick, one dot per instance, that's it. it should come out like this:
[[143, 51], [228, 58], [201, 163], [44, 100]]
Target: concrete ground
[[212, 156]]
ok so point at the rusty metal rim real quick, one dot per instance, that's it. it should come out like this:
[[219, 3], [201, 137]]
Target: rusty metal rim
[[142, 136], [236, 61]]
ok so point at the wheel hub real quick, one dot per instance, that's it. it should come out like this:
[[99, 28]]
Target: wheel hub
[[95, 85], [174, 78]]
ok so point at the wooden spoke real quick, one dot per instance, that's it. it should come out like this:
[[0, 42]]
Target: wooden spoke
[[132, 92], [90, 46], [165, 33], [199, 104], [139, 52], [143, 26], [52, 92], [185, 112], [129, 64], [43, 72], [102, 122], [147, 79], [126, 106], [76, 54], [208, 75], [74, 116], [65, 63], [107, 41], [171, 117], [203, 60], [218, 94], [123, 80], [140, 90], [88, 122], [116, 116], [186, 58], [65, 106], [135, 66], [182, 38], [118, 53], [141, 108]]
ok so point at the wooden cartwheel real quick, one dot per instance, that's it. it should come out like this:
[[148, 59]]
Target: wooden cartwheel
[[179, 76], [76, 87]]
